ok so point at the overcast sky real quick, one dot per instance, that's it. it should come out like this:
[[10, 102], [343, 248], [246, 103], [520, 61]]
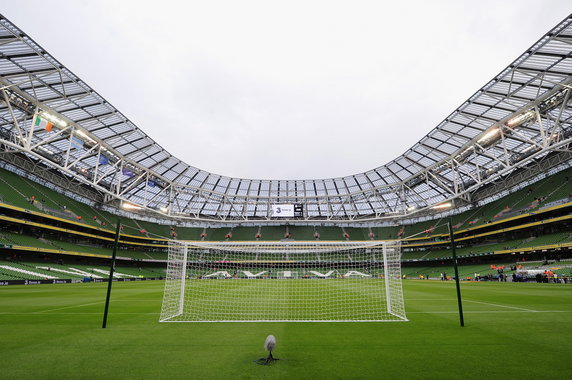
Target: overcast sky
[[290, 89]]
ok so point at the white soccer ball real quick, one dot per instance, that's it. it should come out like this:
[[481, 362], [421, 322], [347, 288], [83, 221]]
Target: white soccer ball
[[270, 343]]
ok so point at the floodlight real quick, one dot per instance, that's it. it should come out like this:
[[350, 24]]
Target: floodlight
[[493, 132], [520, 119], [84, 135], [442, 206], [129, 206]]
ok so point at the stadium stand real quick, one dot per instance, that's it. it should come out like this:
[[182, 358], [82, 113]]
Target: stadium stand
[[554, 188], [509, 195], [24, 270]]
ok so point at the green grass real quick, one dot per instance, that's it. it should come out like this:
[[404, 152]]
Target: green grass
[[512, 331]]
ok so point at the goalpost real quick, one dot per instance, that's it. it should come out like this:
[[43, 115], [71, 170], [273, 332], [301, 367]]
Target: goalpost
[[283, 281]]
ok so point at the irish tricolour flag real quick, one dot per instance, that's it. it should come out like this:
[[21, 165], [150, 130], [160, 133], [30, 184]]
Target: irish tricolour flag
[[42, 123]]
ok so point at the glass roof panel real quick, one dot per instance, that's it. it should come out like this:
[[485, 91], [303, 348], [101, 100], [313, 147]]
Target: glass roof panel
[[534, 74]]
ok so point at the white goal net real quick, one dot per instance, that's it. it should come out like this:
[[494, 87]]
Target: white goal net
[[283, 281]]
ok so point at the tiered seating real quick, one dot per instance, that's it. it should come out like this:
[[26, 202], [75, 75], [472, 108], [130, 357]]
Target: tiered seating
[[546, 240], [191, 233], [463, 251], [438, 226], [385, 233], [330, 233], [434, 273], [130, 253], [25, 271], [15, 190], [47, 197], [10, 238], [141, 254], [244, 233], [5, 240], [24, 240], [302, 232], [209, 256], [75, 247], [154, 230], [47, 270], [356, 233], [70, 271], [61, 205], [6, 274], [11, 190], [217, 234], [479, 216], [559, 186], [545, 188], [412, 255], [272, 233], [130, 227]]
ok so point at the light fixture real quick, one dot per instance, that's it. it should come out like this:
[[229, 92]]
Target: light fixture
[[520, 119], [130, 206], [442, 206], [81, 133], [493, 132]]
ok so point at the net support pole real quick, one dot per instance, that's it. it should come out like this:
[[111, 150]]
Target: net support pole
[[183, 279], [457, 279], [111, 269], [386, 279]]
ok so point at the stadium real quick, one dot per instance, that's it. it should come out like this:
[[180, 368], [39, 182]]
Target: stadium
[[87, 196]]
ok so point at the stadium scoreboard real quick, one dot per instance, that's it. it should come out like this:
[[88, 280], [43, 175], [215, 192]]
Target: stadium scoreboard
[[288, 210]]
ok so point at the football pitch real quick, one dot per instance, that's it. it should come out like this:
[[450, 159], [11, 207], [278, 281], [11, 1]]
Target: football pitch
[[520, 330]]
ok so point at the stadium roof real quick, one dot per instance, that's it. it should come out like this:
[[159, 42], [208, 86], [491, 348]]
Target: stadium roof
[[522, 114]]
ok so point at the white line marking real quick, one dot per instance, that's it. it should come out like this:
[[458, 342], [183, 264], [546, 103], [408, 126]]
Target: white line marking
[[509, 307], [67, 307], [86, 304], [8, 313], [488, 311], [430, 299]]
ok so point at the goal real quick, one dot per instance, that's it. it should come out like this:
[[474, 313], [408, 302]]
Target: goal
[[283, 281]]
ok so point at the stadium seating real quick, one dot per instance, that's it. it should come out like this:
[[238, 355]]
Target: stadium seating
[[272, 233], [25, 240], [244, 233], [302, 232], [188, 233], [547, 239], [24, 270], [330, 233], [12, 191], [461, 251], [17, 191]]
